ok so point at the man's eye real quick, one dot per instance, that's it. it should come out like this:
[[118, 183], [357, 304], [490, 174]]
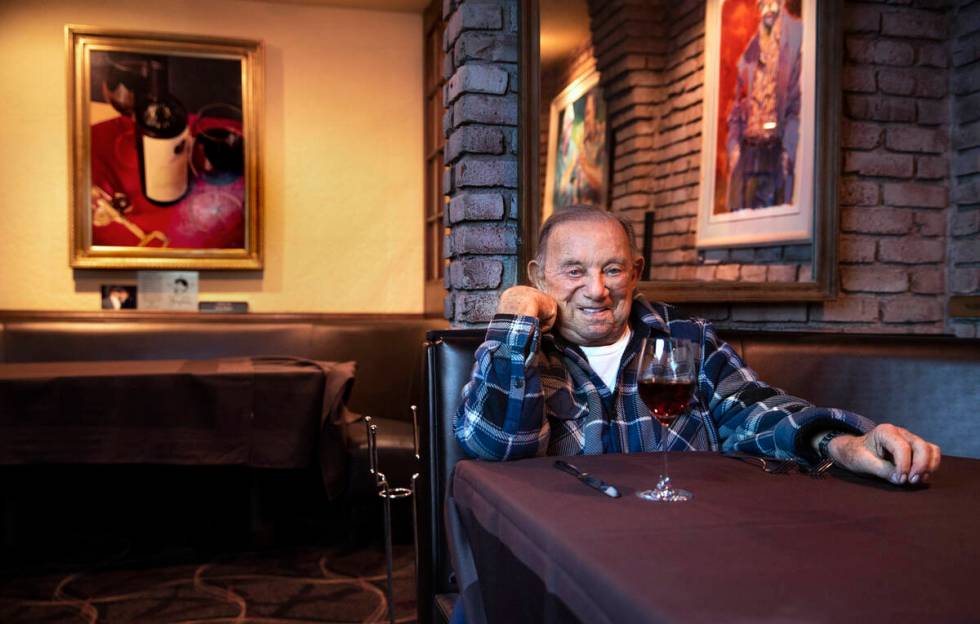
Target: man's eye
[[614, 271], [574, 272]]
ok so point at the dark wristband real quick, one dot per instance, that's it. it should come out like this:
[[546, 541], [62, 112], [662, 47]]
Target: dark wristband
[[825, 442]]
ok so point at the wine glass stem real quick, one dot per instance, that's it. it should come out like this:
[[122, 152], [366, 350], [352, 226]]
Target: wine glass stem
[[666, 476]]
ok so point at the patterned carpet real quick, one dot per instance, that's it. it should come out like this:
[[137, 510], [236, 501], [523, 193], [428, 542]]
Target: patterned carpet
[[324, 584]]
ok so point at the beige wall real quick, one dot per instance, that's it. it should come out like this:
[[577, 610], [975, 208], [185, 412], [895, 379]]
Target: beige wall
[[342, 153]]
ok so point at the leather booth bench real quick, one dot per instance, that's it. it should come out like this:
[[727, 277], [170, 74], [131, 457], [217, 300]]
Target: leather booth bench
[[928, 384], [387, 350]]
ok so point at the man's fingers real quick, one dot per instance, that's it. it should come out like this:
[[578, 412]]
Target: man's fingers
[[921, 456], [888, 438]]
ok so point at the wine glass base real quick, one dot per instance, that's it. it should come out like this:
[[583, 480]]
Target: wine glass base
[[666, 495]]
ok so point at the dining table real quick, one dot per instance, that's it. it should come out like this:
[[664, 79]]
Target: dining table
[[531, 543], [264, 412]]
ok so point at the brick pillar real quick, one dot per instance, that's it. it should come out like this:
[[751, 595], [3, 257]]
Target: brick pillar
[[964, 261], [481, 176]]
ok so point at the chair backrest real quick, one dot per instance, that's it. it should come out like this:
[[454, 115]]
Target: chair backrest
[[449, 363]]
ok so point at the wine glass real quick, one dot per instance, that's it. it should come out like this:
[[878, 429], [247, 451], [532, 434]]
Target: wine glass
[[666, 379], [218, 153]]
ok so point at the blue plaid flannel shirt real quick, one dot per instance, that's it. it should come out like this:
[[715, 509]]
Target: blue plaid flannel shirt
[[533, 395]]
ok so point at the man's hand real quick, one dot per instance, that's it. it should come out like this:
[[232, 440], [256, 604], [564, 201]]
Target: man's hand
[[529, 301], [889, 452]]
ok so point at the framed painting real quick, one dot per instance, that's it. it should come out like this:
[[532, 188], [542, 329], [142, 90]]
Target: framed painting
[[164, 150], [578, 152], [759, 124]]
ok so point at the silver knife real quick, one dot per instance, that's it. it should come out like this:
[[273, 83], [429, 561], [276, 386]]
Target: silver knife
[[586, 478]]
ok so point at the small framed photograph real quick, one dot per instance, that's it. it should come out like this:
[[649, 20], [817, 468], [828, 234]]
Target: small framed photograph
[[168, 290], [165, 155], [759, 127], [578, 147], [118, 297]]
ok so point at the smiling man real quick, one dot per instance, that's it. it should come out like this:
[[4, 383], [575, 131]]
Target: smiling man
[[556, 374]]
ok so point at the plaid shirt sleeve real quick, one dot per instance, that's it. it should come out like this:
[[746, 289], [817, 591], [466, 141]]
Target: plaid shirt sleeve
[[501, 414], [756, 418]]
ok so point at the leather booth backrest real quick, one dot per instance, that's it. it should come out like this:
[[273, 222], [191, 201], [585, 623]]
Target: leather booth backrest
[[449, 364], [929, 385], [387, 350]]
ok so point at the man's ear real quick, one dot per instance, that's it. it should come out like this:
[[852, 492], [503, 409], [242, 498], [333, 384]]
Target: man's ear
[[535, 273], [638, 268]]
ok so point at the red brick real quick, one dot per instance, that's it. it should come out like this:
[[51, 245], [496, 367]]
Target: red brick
[[753, 273], [931, 167], [472, 171], [857, 192], [917, 24], [876, 220], [779, 312], [881, 164], [932, 112], [914, 195], [928, 281], [727, 272], [861, 18], [933, 55], [847, 309], [879, 108], [896, 81], [911, 250], [930, 223], [874, 279], [910, 139], [857, 249], [860, 135], [911, 310], [859, 79], [782, 273]]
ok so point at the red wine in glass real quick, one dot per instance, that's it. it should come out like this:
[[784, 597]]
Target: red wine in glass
[[666, 398], [666, 375]]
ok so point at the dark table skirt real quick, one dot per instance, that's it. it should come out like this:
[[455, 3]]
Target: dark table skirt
[[750, 547], [263, 412]]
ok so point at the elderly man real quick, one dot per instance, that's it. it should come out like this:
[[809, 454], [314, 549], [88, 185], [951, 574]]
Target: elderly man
[[556, 373]]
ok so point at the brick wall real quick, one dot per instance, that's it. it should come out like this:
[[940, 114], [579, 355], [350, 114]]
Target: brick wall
[[964, 262], [895, 211], [906, 243], [481, 176]]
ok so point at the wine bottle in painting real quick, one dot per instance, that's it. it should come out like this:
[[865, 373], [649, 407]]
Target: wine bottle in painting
[[162, 139]]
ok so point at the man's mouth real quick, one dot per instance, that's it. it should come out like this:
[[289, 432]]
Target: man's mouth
[[594, 311]]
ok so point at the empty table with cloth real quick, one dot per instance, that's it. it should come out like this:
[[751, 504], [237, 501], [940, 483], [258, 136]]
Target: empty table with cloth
[[260, 412]]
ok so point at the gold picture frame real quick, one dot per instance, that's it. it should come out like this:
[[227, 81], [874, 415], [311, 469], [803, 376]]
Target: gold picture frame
[[164, 150]]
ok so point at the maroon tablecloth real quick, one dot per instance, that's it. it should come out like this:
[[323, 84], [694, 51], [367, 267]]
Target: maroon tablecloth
[[750, 547], [263, 412]]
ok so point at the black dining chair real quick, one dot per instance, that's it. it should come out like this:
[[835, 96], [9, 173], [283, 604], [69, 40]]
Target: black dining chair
[[448, 364]]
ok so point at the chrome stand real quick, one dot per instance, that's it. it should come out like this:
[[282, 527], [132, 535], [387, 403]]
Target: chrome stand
[[387, 494]]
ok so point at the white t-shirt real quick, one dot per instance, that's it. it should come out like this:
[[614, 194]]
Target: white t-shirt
[[605, 360]]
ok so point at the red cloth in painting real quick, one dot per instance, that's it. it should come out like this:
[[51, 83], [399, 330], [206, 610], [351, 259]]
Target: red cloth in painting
[[210, 216]]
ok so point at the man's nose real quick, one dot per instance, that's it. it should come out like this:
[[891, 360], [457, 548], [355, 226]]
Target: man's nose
[[595, 286]]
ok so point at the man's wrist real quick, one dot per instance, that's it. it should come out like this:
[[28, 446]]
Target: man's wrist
[[822, 442]]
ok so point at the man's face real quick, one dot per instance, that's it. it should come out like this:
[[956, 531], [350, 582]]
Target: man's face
[[589, 270], [769, 9]]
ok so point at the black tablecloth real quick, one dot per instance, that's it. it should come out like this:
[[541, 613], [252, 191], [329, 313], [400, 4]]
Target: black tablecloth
[[263, 412], [750, 547]]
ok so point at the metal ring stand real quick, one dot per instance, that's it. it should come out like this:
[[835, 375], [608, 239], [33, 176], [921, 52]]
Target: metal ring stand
[[389, 493]]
